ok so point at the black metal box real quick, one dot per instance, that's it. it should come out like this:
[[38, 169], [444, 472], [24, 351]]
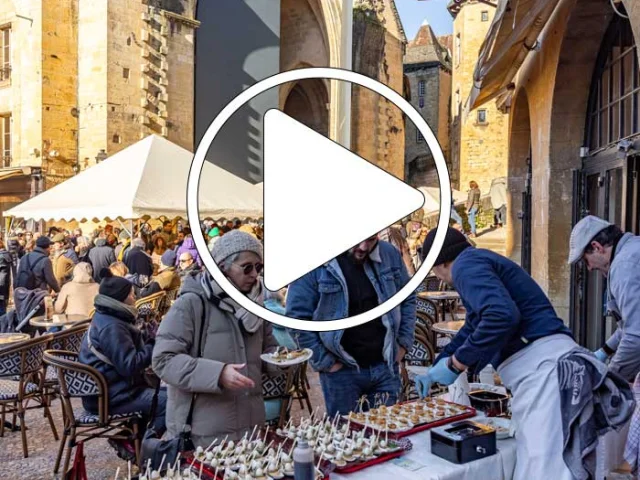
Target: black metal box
[[463, 442]]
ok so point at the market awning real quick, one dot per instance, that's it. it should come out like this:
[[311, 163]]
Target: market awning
[[7, 173], [147, 179], [512, 35]]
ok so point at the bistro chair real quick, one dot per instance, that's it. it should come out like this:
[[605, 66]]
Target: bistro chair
[[23, 361], [421, 355], [149, 307], [69, 340], [76, 381], [426, 321]]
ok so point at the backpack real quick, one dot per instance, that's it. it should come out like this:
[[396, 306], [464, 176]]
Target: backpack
[[26, 277]]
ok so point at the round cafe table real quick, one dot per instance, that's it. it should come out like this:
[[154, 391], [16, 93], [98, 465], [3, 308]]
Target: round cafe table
[[448, 328], [58, 320], [442, 298], [7, 339]]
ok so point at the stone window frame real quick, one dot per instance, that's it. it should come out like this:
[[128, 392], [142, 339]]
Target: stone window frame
[[458, 50], [612, 101], [479, 113], [6, 34], [484, 16], [419, 137], [5, 134]]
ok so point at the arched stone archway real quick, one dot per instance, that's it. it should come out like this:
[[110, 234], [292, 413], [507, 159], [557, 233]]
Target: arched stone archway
[[580, 42], [304, 33], [519, 155], [307, 102]]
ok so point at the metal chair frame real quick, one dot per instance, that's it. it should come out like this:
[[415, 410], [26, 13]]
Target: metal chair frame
[[66, 362]]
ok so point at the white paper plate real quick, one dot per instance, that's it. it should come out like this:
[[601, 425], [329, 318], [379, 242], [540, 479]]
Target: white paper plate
[[268, 357]]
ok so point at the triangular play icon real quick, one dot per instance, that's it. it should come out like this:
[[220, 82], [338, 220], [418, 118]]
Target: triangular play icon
[[320, 199]]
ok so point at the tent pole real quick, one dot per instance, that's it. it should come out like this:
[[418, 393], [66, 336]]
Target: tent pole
[[129, 231]]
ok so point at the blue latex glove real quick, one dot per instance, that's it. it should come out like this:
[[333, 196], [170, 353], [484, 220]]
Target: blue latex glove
[[601, 355], [440, 373]]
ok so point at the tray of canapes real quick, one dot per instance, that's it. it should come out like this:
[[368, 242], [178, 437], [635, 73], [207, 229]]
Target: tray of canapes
[[407, 418], [345, 449], [257, 457]]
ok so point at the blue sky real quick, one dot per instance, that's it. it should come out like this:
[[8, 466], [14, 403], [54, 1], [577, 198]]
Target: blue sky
[[414, 12]]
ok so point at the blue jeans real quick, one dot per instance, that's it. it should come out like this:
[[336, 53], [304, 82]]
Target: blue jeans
[[472, 219], [343, 389], [455, 216]]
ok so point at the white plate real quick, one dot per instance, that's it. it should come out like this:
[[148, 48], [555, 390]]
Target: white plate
[[499, 424], [268, 357]]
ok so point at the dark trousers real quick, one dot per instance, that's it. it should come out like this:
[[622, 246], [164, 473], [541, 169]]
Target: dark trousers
[[142, 403], [343, 389]]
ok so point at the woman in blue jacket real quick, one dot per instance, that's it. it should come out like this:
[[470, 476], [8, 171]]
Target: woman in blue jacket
[[119, 351]]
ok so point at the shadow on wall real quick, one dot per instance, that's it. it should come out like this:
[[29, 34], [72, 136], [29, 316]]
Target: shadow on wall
[[237, 45]]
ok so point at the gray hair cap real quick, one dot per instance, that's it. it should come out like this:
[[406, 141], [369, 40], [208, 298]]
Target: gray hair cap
[[235, 242]]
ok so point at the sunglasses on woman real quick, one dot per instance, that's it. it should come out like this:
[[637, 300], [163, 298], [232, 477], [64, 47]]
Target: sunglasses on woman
[[248, 268]]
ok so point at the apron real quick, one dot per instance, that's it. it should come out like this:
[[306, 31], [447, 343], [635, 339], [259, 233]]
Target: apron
[[531, 375]]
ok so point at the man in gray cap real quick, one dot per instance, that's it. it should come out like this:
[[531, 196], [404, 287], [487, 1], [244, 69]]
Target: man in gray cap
[[603, 247]]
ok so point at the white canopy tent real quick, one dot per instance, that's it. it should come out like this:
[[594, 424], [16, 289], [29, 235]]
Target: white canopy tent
[[432, 198], [146, 180]]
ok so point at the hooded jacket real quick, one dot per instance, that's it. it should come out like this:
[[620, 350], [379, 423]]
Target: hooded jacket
[[114, 335], [218, 412], [77, 296], [188, 245], [101, 256]]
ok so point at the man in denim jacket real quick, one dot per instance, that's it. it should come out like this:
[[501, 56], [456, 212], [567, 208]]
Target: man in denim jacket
[[360, 361], [604, 248]]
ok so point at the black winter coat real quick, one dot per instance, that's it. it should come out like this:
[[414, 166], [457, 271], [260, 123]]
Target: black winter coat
[[101, 256], [114, 335], [137, 261], [6, 264]]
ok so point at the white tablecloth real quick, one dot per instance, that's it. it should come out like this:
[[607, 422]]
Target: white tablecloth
[[500, 466]]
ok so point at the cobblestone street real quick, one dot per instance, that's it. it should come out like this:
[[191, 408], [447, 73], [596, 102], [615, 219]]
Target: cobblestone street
[[101, 459]]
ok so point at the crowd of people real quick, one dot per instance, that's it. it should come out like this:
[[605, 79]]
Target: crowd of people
[[207, 348]]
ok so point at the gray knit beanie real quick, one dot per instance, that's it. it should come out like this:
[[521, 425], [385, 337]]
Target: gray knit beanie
[[235, 242]]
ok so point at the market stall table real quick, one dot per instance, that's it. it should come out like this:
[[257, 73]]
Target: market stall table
[[443, 298], [500, 466], [61, 320], [448, 328], [7, 339]]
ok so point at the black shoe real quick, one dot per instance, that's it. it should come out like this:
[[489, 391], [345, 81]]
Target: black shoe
[[123, 449]]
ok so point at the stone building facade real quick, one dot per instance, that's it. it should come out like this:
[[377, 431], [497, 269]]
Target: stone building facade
[[479, 138], [80, 77], [311, 37], [427, 68], [574, 112]]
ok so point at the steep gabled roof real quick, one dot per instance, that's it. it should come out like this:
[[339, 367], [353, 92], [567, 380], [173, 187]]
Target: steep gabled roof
[[425, 48]]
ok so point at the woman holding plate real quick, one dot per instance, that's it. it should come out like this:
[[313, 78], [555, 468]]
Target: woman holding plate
[[224, 378]]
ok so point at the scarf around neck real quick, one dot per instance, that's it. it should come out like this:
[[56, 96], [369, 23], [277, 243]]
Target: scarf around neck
[[111, 306], [250, 322]]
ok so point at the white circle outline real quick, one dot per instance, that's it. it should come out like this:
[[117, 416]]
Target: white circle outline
[[235, 105]]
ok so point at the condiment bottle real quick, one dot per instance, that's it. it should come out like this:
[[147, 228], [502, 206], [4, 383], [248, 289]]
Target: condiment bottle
[[303, 468]]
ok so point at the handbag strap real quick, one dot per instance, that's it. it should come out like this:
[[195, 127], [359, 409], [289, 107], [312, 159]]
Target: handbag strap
[[95, 351], [187, 425]]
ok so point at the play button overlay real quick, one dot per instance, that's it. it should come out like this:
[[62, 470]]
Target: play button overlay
[[310, 179], [322, 211]]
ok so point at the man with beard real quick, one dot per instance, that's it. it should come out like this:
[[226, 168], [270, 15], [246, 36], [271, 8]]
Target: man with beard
[[364, 360]]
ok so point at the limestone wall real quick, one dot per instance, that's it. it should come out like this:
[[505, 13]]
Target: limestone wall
[[482, 154]]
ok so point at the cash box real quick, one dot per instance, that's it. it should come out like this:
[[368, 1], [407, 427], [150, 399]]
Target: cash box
[[463, 442]]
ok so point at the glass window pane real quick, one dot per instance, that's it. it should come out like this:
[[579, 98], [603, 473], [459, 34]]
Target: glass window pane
[[628, 66], [604, 129], [627, 105], [594, 140], [636, 127], [614, 134], [615, 79], [605, 88]]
